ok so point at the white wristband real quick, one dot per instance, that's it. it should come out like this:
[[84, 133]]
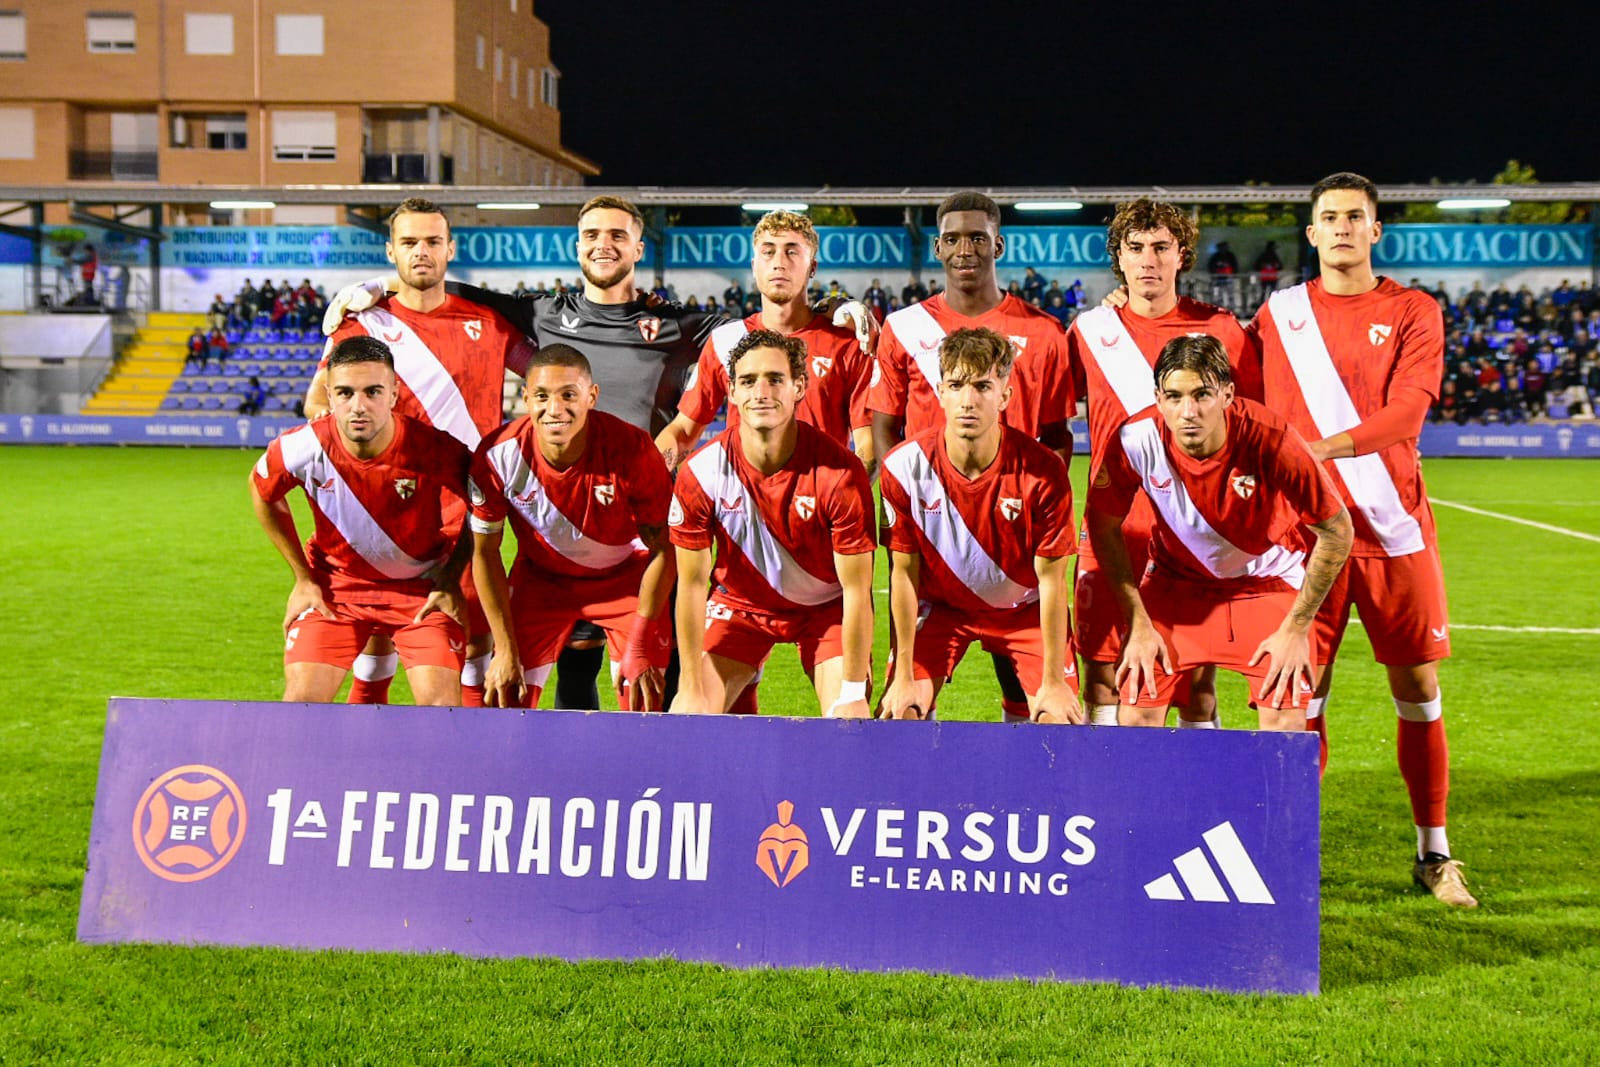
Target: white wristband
[[849, 692]]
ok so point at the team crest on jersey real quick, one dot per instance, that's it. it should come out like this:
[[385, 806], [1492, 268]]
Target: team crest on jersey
[[605, 493], [474, 328], [821, 365], [1020, 342], [675, 513], [569, 323], [805, 506], [1378, 333], [405, 487], [877, 374], [650, 328], [1010, 508], [1244, 485]]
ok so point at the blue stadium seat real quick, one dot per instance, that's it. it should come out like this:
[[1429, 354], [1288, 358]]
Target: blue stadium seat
[[190, 403], [179, 386], [1557, 409], [211, 403], [234, 336], [171, 403]]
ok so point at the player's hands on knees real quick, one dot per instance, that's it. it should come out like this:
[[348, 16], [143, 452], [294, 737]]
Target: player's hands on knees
[[447, 600], [502, 682], [1290, 670], [851, 709], [647, 690], [864, 322], [1142, 654], [1116, 298], [908, 699], [304, 598], [1056, 703], [687, 703], [357, 296]]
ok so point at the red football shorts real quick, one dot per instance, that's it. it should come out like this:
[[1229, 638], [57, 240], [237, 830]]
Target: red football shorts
[[944, 635], [1097, 619], [545, 607], [747, 636], [436, 641], [1200, 628], [1402, 605]]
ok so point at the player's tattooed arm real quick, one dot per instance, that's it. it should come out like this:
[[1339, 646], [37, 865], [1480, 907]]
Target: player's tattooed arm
[[1335, 535]]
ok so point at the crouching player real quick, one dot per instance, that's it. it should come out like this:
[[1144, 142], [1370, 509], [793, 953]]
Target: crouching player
[[1229, 582], [978, 520], [587, 495], [383, 559], [788, 511]]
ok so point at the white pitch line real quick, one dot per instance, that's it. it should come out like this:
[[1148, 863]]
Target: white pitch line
[[1355, 620], [1521, 522]]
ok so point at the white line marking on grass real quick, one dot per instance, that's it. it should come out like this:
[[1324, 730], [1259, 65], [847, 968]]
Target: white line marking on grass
[[1593, 631], [1521, 522]]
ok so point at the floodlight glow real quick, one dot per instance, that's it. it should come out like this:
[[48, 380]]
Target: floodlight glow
[[1468, 203], [243, 205], [774, 206], [1047, 205], [508, 207]]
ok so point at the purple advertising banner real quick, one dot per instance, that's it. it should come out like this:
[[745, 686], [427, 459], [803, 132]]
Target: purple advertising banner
[[216, 431], [1148, 857]]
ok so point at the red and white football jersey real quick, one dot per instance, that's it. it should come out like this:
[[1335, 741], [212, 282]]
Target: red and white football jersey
[[382, 524], [837, 376], [451, 361], [775, 534], [906, 377], [583, 521], [977, 537], [1115, 352], [1328, 363], [1234, 517]]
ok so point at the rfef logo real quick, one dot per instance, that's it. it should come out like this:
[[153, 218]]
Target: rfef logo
[[189, 824], [783, 851]]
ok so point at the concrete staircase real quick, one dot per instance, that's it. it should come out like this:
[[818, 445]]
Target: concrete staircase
[[147, 366]]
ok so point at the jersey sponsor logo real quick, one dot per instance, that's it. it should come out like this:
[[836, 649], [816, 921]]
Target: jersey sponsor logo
[[1160, 485], [189, 823], [1110, 342], [931, 505], [783, 851], [675, 513], [821, 365], [323, 487], [1296, 327], [732, 504], [1200, 877], [805, 506], [474, 328], [405, 487], [533, 491], [1378, 333], [1439, 632], [569, 323], [456, 646], [605, 494], [392, 338], [1244, 485], [929, 344], [1010, 508], [650, 328]]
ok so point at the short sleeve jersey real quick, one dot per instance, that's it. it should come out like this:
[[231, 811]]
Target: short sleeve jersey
[[1328, 364], [1233, 518], [582, 521], [451, 362], [977, 537], [775, 534], [381, 524], [906, 376], [837, 376]]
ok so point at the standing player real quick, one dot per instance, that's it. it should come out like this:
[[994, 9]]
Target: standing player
[[788, 511], [451, 356], [386, 556], [1354, 361], [904, 394], [1229, 583], [1150, 244], [784, 260], [978, 520], [587, 495]]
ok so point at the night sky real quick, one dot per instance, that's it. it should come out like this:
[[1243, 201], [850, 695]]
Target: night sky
[[688, 94]]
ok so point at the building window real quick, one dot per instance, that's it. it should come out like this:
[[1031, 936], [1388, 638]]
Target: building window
[[16, 133], [499, 64], [482, 48], [208, 35], [513, 7], [14, 36], [304, 136], [299, 35], [226, 132], [530, 87], [551, 78], [110, 31], [513, 78]]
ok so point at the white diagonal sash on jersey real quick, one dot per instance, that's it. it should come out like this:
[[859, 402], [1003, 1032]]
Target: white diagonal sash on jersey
[[917, 330], [724, 337], [1326, 398], [424, 375], [713, 468], [1141, 441], [304, 457], [947, 529], [554, 528], [1118, 356]]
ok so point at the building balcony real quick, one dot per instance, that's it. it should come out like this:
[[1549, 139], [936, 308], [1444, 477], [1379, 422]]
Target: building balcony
[[406, 168], [118, 165]]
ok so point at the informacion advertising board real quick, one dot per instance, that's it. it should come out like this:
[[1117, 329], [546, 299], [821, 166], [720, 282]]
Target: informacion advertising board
[[1148, 857]]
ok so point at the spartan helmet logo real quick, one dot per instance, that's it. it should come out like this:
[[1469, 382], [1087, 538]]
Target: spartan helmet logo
[[27, 425], [783, 851], [1564, 438], [244, 430]]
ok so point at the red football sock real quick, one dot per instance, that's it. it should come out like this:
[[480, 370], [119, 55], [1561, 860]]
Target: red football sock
[[1424, 758], [1015, 710], [472, 696], [745, 702]]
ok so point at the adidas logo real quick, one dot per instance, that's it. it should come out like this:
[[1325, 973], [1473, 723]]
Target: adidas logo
[[1200, 878]]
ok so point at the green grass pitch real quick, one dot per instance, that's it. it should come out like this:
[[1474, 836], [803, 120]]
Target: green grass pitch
[[141, 572]]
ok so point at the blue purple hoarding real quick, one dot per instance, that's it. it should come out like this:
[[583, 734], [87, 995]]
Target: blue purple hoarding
[[1147, 857], [224, 431]]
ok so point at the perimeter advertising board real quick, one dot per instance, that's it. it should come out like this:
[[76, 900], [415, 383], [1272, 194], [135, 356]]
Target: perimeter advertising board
[[1082, 854]]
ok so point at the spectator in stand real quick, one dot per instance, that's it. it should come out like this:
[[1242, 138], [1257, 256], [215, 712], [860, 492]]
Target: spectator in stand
[[88, 264], [692, 303], [1567, 385], [1525, 316], [1488, 373], [266, 294], [1057, 309], [1501, 301], [217, 348], [935, 287], [733, 295], [1014, 288], [250, 297], [1581, 344], [1534, 384], [1076, 297], [1268, 266], [877, 299], [661, 290], [1562, 295], [1055, 287], [1546, 355], [239, 313], [282, 305], [1222, 260], [1494, 405], [1517, 346], [255, 395], [197, 349], [1449, 407], [522, 289], [837, 291], [1033, 287], [1477, 344], [1584, 297], [914, 292], [1476, 303], [217, 313]]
